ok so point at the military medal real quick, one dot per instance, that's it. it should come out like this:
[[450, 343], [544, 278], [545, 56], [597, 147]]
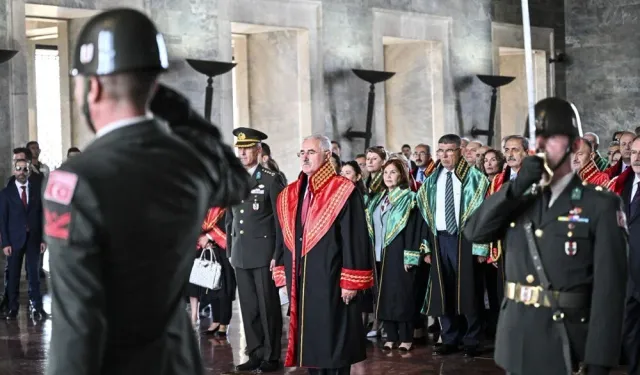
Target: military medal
[[570, 248], [256, 206]]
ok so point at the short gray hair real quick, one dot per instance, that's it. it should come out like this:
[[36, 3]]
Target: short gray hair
[[595, 136], [523, 141], [325, 142]]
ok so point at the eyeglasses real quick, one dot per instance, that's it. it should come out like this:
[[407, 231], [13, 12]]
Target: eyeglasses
[[449, 152], [421, 153], [22, 169]]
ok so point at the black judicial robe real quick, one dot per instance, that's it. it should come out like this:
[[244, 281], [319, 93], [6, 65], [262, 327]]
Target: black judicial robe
[[331, 252], [405, 233]]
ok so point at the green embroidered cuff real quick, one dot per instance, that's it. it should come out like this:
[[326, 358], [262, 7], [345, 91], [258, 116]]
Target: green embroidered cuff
[[481, 250], [411, 257], [424, 248]]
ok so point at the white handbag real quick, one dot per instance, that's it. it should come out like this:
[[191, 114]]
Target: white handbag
[[206, 273]]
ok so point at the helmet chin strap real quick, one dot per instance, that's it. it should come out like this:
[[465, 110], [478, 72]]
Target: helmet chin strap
[[567, 153], [85, 105]]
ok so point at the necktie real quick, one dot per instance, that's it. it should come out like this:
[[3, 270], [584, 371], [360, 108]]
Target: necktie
[[450, 207], [306, 203], [420, 175], [23, 196], [633, 206], [513, 176]]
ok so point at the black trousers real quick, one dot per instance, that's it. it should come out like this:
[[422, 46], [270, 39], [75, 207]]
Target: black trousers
[[261, 314], [631, 331], [221, 309], [491, 277], [330, 371], [398, 331], [32, 254], [451, 327]]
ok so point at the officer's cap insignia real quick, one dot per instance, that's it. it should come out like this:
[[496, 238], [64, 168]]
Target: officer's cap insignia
[[241, 136], [60, 187]]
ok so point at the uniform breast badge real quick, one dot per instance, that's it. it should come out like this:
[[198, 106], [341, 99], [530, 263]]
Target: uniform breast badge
[[256, 205], [570, 248]]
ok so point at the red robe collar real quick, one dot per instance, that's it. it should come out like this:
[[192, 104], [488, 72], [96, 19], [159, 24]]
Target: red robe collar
[[209, 226], [614, 170], [592, 175], [330, 193], [498, 181], [616, 185]]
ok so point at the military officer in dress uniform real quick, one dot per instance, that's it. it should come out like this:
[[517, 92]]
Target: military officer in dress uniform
[[114, 225], [253, 240], [566, 270]]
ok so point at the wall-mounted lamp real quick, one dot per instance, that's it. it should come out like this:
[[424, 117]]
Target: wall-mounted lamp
[[210, 69]]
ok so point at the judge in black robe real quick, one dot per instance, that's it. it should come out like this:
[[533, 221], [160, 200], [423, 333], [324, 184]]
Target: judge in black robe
[[326, 261]]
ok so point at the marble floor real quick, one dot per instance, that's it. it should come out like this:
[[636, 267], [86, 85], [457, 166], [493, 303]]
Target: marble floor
[[24, 345]]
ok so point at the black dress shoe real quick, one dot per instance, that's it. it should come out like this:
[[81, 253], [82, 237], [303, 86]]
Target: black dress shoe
[[269, 366], [471, 351], [445, 349], [250, 365]]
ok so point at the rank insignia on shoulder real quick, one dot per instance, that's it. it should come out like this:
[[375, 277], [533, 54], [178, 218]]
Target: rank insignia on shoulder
[[61, 187], [576, 194]]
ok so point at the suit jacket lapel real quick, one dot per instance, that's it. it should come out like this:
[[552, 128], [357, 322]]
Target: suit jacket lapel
[[32, 193]]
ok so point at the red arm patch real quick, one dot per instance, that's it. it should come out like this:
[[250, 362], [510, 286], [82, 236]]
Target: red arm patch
[[57, 225], [60, 187]]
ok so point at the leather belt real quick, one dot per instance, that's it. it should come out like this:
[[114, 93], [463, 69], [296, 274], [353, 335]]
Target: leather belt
[[536, 296]]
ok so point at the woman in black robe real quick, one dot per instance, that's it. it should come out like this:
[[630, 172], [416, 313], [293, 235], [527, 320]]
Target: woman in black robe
[[398, 231]]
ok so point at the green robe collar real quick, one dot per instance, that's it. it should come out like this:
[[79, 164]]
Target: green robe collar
[[601, 162], [474, 188], [402, 202]]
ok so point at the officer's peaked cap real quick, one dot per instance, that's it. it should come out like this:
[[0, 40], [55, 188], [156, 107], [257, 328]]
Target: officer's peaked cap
[[247, 137]]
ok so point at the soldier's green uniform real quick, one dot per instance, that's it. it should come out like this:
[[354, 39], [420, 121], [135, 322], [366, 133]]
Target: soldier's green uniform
[[580, 242]]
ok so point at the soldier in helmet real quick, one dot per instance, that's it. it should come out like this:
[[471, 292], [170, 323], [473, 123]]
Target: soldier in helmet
[[566, 270], [114, 225]]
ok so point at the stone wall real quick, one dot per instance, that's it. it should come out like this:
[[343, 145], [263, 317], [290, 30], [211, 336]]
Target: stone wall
[[342, 35], [603, 79]]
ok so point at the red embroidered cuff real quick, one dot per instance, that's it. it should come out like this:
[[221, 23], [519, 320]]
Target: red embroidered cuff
[[279, 277], [356, 279]]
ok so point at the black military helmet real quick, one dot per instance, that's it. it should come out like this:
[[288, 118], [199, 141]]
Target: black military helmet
[[119, 40], [555, 116]]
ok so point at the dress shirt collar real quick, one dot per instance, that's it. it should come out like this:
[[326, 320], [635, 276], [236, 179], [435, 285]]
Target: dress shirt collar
[[19, 185], [636, 179], [120, 124], [252, 170]]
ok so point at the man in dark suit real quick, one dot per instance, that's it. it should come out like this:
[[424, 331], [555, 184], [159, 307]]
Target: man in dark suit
[[24, 154], [566, 267], [116, 227], [21, 231], [253, 239], [631, 198]]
